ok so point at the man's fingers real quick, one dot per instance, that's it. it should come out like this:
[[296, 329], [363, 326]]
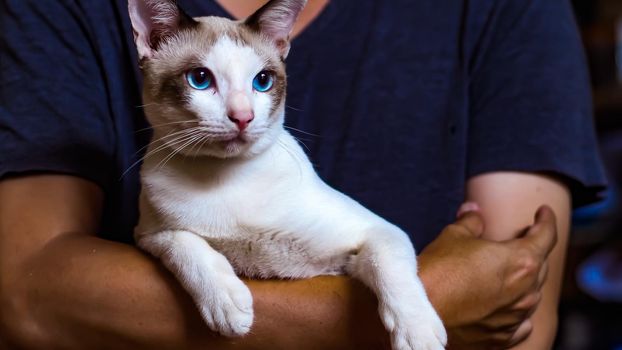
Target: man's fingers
[[527, 304], [543, 233], [472, 222], [542, 275], [521, 333]]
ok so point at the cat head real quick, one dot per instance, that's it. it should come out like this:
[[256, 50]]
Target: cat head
[[213, 86]]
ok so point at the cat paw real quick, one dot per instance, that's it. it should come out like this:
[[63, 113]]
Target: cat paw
[[422, 330], [228, 308]]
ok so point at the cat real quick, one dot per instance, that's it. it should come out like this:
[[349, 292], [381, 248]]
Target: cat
[[227, 190]]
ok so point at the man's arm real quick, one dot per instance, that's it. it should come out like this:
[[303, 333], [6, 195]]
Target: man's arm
[[62, 287], [507, 202]]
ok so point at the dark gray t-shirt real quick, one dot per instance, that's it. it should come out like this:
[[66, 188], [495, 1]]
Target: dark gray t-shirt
[[405, 100]]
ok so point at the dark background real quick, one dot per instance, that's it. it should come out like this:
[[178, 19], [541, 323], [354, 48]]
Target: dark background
[[591, 303]]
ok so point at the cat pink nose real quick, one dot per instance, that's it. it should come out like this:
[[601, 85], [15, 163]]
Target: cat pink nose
[[239, 109], [241, 118]]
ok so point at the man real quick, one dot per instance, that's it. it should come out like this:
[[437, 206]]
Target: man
[[417, 107]]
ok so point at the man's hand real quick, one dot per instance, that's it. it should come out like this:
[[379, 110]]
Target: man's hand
[[485, 291]]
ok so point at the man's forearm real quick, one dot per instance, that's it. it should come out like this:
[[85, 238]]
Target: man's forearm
[[83, 292], [61, 287]]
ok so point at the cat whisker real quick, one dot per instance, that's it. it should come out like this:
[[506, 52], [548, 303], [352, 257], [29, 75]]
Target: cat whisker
[[151, 127], [294, 108], [212, 127], [292, 154], [199, 145], [169, 156], [147, 155], [171, 143], [187, 133], [302, 143], [180, 139], [179, 149], [194, 145], [169, 135], [175, 133], [205, 140], [148, 104], [301, 131]]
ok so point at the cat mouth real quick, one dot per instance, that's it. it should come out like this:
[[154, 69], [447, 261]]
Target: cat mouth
[[240, 138]]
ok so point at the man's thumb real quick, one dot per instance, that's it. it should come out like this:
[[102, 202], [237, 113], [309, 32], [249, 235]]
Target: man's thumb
[[466, 207], [543, 233], [470, 218]]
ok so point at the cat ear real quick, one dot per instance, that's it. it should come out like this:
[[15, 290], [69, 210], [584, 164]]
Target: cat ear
[[153, 21], [276, 20]]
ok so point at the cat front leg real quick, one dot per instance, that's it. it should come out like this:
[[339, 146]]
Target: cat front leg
[[386, 263], [224, 301], [377, 253]]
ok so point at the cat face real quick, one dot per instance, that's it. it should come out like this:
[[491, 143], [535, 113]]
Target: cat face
[[212, 86], [217, 85]]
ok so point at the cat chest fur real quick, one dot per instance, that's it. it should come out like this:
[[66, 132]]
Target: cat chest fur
[[245, 211]]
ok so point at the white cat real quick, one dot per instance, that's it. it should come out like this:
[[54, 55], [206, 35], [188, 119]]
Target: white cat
[[226, 190]]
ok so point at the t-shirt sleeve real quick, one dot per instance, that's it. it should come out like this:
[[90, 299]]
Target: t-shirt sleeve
[[530, 96], [54, 113]]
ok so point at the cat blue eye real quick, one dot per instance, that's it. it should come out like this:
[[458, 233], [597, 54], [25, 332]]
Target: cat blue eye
[[200, 78], [263, 81]]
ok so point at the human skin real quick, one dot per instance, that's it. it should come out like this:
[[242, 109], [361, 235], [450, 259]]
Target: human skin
[[525, 317], [63, 287], [507, 201]]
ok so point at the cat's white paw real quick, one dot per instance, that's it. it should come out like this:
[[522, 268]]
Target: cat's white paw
[[416, 329], [228, 308]]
